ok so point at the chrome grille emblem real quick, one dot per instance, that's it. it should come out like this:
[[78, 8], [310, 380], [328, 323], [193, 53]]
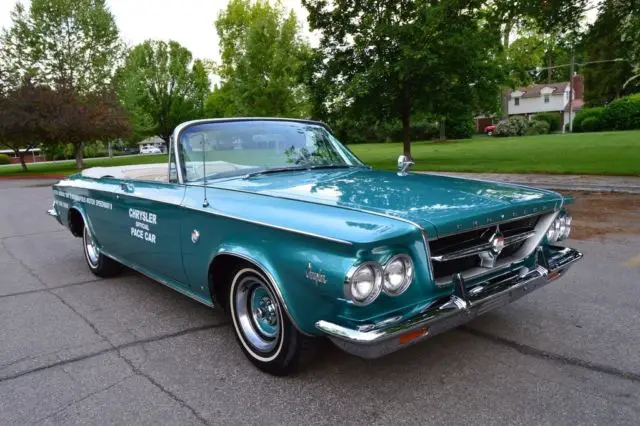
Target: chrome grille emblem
[[497, 242]]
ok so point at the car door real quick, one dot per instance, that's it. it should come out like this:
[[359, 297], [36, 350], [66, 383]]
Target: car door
[[150, 235]]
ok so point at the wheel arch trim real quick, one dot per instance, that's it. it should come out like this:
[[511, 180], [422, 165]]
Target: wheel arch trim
[[267, 274], [85, 219]]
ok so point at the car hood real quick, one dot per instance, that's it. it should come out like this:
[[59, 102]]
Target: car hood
[[440, 204]]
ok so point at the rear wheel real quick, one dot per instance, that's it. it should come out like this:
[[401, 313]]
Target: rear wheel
[[265, 333], [99, 264]]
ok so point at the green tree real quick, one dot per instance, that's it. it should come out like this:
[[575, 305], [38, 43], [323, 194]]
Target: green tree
[[34, 114], [523, 55], [546, 16], [65, 44], [262, 61], [604, 41], [531, 16], [628, 14], [161, 86], [386, 59], [26, 112]]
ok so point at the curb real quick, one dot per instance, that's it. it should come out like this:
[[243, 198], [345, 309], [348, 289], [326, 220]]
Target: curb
[[609, 184], [582, 188], [32, 177]]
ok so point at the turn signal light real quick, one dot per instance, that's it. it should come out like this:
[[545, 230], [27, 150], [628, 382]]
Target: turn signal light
[[413, 335]]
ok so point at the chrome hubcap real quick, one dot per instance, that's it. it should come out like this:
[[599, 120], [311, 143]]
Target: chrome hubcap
[[91, 249], [257, 314]]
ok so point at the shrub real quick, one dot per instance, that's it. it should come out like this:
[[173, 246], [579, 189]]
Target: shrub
[[622, 114], [553, 118], [595, 113], [537, 127], [460, 128], [4, 159], [365, 131], [514, 126], [590, 124], [94, 149]]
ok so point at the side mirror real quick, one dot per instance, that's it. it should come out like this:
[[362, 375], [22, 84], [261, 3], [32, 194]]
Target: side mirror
[[404, 162]]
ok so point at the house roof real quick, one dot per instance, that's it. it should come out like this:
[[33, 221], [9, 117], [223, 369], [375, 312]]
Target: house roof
[[577, 105], [534, 91]]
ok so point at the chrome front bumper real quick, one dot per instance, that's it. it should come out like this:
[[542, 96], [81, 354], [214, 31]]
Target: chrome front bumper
[[462, 306]]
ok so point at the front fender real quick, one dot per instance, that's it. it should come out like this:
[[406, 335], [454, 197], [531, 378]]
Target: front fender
[[303, 299]]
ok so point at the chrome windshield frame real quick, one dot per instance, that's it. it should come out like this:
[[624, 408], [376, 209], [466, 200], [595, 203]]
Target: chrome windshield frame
[[182, 127]]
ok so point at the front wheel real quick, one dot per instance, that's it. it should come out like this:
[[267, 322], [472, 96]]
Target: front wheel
[[99, 264], [266, 335]]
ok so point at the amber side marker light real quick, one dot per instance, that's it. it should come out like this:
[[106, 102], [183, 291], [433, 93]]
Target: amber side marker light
[[553, 275], [413, 335]]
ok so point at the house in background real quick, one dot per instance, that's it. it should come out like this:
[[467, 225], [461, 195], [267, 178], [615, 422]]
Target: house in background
[[32, 155], [153, 141], [551, 97]]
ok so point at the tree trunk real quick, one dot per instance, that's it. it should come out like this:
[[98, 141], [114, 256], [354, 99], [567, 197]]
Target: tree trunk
[[505, 105], [22, 163], [78, 148], [507, 32], [406, 133], [443, 128]]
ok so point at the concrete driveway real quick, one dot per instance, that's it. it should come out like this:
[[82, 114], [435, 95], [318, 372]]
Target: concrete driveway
[[75, 349]]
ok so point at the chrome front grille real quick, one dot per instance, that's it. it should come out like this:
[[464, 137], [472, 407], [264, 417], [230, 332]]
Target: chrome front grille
[[472, 253]]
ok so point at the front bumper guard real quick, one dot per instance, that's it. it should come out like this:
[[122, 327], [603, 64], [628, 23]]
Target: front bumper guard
[[445, 314]]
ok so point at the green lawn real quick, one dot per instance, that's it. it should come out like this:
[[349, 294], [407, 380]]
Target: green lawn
[[69, 167], [613, 153]]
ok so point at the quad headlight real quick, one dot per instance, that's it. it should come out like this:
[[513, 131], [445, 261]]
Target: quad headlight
[[397, 275], [366, 281], [560, 228]]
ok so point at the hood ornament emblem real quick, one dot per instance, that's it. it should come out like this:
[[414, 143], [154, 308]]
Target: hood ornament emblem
[[404, 162]]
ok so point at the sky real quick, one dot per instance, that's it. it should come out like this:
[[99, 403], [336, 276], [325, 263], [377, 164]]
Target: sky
[[189, 22]]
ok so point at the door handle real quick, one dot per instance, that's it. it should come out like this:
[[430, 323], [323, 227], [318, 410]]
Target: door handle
[[127, 187]]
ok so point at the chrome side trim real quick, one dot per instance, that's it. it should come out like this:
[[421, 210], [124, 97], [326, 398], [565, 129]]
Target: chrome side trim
[[480, 248], [268, 225], [268, 276]]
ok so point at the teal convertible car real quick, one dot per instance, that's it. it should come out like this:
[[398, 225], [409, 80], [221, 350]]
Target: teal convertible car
[[280, 224]]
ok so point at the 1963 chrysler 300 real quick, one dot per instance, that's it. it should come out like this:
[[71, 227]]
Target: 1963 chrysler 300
[[280, 224]]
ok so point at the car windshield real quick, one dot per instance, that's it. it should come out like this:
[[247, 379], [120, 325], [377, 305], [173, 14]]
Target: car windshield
[[253, 147]]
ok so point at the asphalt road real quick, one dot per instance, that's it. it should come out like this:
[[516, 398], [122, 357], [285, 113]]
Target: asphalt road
[[79, 350]]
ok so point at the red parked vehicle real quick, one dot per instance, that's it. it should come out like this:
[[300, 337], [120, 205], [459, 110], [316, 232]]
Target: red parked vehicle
[[489, 130]]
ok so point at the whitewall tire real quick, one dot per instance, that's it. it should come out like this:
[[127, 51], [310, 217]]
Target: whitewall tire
[[98, 263], [265, 334]]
